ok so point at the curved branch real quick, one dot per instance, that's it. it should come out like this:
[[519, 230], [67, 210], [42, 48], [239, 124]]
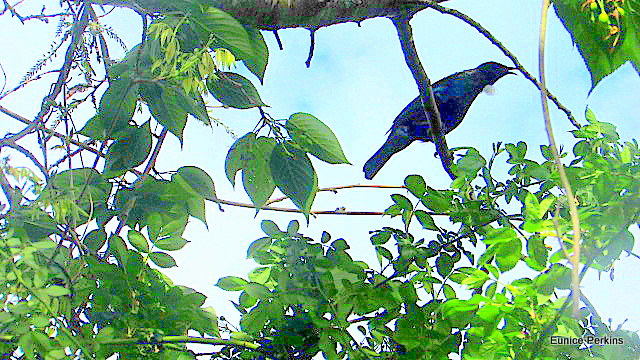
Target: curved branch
[[482, 30]]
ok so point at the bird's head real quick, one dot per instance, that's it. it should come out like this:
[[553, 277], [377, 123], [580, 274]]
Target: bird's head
[[488, 73], [491, 71]]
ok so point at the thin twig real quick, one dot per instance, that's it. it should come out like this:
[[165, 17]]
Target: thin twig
[[426, 91], [573, 209], [312, 46], [482, 30], [336, 188]]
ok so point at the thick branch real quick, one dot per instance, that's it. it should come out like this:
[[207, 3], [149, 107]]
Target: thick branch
[[426, 91], [311, 14]]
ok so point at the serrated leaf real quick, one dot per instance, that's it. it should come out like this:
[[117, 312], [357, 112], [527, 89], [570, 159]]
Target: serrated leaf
[[294, 175], [602, 51], [234, 90], [313, 136], [163, 260]]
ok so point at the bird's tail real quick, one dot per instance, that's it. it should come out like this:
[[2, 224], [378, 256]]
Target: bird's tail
[[377, 161]]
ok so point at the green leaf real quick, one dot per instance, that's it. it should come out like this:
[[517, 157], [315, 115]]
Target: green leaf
[[195, 181], [593, 38], [313, 136], [294, 175], [119, 249], [538, 253], [257, 63], [238, 155], [444, 264], [234, 90], [256, 174], [258, 290], [403, 202], [128, 151], [95, 240], [509, 254], [138, 241], [470, 164], [439, 201], [499, 236], [55, 290], [271, 229], [163, 260], [254, 321], [426, 220], [260, 275], [116, 109], [416, 185], [232, 283], [165, 103], [226, 31], [85, 186], [171, 243]]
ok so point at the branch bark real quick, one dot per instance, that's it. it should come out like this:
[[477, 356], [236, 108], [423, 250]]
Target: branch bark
[[427, 98]]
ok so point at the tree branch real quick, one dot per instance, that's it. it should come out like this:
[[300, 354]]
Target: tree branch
[[426, 91], [482, 30]]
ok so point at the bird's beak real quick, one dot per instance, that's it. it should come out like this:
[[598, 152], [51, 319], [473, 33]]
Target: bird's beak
[[512, 71]]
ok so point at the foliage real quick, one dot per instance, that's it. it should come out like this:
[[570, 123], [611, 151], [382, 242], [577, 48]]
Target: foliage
[[81, 249]]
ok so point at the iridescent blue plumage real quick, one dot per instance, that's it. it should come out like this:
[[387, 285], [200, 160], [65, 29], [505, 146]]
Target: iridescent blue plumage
[[454, 95]]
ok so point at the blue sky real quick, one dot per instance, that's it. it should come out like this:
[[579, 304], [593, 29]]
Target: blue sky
[[357, 84]]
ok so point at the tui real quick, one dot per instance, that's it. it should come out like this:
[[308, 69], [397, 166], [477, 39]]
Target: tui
[[454, 95]]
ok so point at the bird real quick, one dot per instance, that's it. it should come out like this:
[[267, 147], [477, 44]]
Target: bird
[[454, 96]]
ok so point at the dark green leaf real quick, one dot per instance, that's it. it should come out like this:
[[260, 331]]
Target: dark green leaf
[[257, 63], [165, 104], [294, 175], [116, 109], [426, 220], [163, 260], [195, 181], [238, 155], [444, 264], [128, 151], [95, 240], [234, 90]]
